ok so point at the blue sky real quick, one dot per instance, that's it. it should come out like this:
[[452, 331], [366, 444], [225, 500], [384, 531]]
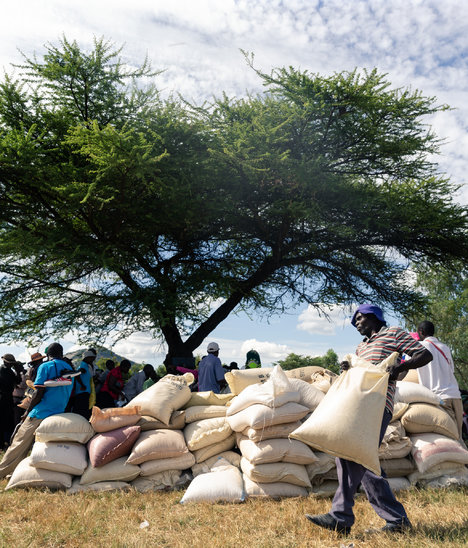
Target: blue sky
[[421, 44]]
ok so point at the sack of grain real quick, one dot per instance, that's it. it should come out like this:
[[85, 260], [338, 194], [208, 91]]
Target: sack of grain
[[324, 463], [208, 398], [238, 379], [275, 490], [117, 470], [157, 444], [277, 431], [65, 427], [223, 484], [157, 466], [395, 443], [276, 471], [116, 417], [26, 476], [445, 468], [206, 465], [397, 468], [205, 453], [423, 417], [308, 374], [108, 446], [410, 392], [432, 449], [279, 450], [61, 456], [162, 398], [200, 412], [162, 481], [261, 416], [206, 432], [309, 395], [347, 421], [325, 490], [176, 422]]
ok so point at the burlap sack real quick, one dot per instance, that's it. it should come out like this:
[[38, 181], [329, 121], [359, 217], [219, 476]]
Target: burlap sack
[[157, 466], [395, 443], [65, 427], [200, 412], [176, 422], [104, 420], [163, 481], [432, 449], [309, 395], [208, 398], [100, 487], [276, 471], [275, 490], [279, 450], [397, 468], [277, 431], [108, 446], [211, 450], [307, 374], [241, 378], [347, 421], [423, 417], [324, 464], [205, 466], [261, 416], [157, 444], [410, 392], [61, 456], [206, 432], [117, 470], [162, 398], [26, 476]]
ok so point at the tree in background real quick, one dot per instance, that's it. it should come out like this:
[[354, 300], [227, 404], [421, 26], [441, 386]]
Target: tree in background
[[447, 308], [293, 361], [122, 212]]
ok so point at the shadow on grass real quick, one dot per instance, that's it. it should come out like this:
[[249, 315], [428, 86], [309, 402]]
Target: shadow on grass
[[446, 533]]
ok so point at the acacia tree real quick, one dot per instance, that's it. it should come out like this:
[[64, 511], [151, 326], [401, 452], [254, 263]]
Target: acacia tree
[[123, 211]]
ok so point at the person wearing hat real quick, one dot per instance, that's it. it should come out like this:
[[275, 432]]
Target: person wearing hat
[[10, 376], [379, 342], [48, 399], [210, 371], [36, 360]]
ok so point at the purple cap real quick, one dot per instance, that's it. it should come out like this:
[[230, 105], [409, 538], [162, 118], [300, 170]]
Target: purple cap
[[368, 309]]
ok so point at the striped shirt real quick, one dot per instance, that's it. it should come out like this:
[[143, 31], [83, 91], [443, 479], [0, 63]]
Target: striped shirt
[[380, 345]]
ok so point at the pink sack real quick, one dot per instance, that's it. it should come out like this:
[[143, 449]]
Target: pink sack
[[108, 446]]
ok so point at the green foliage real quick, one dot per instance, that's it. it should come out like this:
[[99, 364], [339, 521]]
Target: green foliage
[[120, 211], [293, 361], [446, 307]]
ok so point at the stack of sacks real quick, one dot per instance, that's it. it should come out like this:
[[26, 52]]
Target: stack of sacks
[[223, 483], [160, 450], [116, 434], [393, 454], [207, 433], [58, 454], [440, 461], [322, 475], [205, 466], [264, 415]]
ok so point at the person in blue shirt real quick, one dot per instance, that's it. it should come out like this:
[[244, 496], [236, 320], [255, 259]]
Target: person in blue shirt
[[48, 399], [210, 371]]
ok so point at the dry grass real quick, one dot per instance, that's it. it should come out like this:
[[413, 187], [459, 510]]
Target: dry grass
[[33, 518]]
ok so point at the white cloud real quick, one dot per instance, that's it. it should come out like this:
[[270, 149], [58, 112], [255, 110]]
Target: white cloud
[[315, 322]]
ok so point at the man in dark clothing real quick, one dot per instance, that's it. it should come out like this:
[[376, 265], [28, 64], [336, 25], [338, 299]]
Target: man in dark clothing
[[9, 377], [379, 342]]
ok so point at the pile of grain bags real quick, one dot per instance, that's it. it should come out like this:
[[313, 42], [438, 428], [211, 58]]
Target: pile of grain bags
[[263, 415], [58, 454]]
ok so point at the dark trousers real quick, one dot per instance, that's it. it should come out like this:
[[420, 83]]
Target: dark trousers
[[350, 475], [80, 404]]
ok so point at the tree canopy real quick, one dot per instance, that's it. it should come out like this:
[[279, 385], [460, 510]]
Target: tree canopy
[[123, 211], [294, 361]]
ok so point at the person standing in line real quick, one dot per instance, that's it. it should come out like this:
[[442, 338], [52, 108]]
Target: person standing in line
[[113, 385], [379, 342], [50, 398], [438, 374], [101, 375], [210, 371], [134, 385], [10, 377], [80, 400]]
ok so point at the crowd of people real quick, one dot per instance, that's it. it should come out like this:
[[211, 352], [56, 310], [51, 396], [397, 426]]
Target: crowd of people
[[51, 384]]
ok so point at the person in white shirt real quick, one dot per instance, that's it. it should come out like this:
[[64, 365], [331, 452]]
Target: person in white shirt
[[438, 375], [134, 385]]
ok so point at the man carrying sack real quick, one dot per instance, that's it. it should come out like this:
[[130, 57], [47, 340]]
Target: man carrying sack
[[379, 343]]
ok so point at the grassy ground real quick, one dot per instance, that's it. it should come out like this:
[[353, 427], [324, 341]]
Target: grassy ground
[[30, 518]]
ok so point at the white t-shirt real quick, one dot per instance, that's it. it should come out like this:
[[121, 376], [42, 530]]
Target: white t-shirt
[[438, 375]]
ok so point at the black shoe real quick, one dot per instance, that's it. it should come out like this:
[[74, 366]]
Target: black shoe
[[327, 521], [394, 527]]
